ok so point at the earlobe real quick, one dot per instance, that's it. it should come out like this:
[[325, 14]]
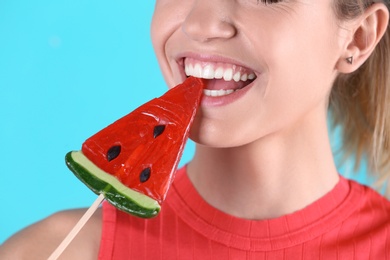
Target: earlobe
[[367, 31]]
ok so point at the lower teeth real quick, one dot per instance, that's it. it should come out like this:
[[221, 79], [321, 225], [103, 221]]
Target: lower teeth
[[217, 93]]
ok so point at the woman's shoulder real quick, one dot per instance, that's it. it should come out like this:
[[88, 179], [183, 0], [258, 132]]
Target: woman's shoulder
[[39, 240], [371, 199], [371, 208]]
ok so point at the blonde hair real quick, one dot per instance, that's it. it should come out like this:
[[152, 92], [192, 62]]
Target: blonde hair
[[360, 103]]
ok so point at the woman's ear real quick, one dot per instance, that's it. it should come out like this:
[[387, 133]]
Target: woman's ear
[[365, 33]]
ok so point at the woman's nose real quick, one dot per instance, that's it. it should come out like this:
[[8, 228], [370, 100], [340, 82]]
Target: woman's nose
[[209, 20]]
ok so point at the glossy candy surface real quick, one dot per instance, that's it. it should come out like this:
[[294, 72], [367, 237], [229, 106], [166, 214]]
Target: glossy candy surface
[[133, 161]]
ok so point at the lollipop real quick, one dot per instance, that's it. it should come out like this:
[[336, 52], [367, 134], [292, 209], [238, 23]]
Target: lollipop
[[132, 162]]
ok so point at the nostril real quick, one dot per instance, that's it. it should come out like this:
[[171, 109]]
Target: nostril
[[228, 30]]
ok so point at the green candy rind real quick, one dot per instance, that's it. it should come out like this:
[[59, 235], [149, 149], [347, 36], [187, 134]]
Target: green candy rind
[[114, 191]]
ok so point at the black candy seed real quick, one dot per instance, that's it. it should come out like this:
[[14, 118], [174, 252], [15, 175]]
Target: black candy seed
[[158, 130], [145, 175], [113, 152]]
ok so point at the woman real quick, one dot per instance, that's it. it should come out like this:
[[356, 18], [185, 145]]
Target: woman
[[262, 183]]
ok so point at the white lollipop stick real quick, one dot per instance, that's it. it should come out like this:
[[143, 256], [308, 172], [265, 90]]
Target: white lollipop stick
[[87, 215]]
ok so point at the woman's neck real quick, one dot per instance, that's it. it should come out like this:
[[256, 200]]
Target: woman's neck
[[273, 176]]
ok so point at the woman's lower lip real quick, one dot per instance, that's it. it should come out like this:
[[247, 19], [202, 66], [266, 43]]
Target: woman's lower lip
[[209, 101]]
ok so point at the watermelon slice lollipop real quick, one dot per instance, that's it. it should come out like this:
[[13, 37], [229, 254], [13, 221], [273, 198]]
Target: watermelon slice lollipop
[[132, 162]]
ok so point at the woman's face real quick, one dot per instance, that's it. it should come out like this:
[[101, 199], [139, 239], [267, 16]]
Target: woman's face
[[269, 67]]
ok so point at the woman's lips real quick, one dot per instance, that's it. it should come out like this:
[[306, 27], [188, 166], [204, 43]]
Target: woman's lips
[[222, 78]]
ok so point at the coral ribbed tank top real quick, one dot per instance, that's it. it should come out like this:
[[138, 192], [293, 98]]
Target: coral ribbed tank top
[[350, 222]]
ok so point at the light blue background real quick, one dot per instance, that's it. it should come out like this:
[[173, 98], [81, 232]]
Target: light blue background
[[67, 69]]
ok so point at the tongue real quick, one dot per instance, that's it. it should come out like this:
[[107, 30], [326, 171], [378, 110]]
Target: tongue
[[218, 84]]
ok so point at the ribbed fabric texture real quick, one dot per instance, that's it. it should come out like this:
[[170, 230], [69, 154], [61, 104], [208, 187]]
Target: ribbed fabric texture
[[350, 222]]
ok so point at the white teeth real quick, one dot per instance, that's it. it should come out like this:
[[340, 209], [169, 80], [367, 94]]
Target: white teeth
[[213, 71], [251, 76], [208, 72], [189, 69], [217, 72], [217, 93], [228, 75], [197, 72], [237, 77]]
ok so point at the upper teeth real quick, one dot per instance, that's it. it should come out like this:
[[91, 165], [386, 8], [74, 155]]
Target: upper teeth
[[218, 72]]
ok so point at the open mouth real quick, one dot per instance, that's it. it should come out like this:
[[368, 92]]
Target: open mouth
[[221, 78]]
